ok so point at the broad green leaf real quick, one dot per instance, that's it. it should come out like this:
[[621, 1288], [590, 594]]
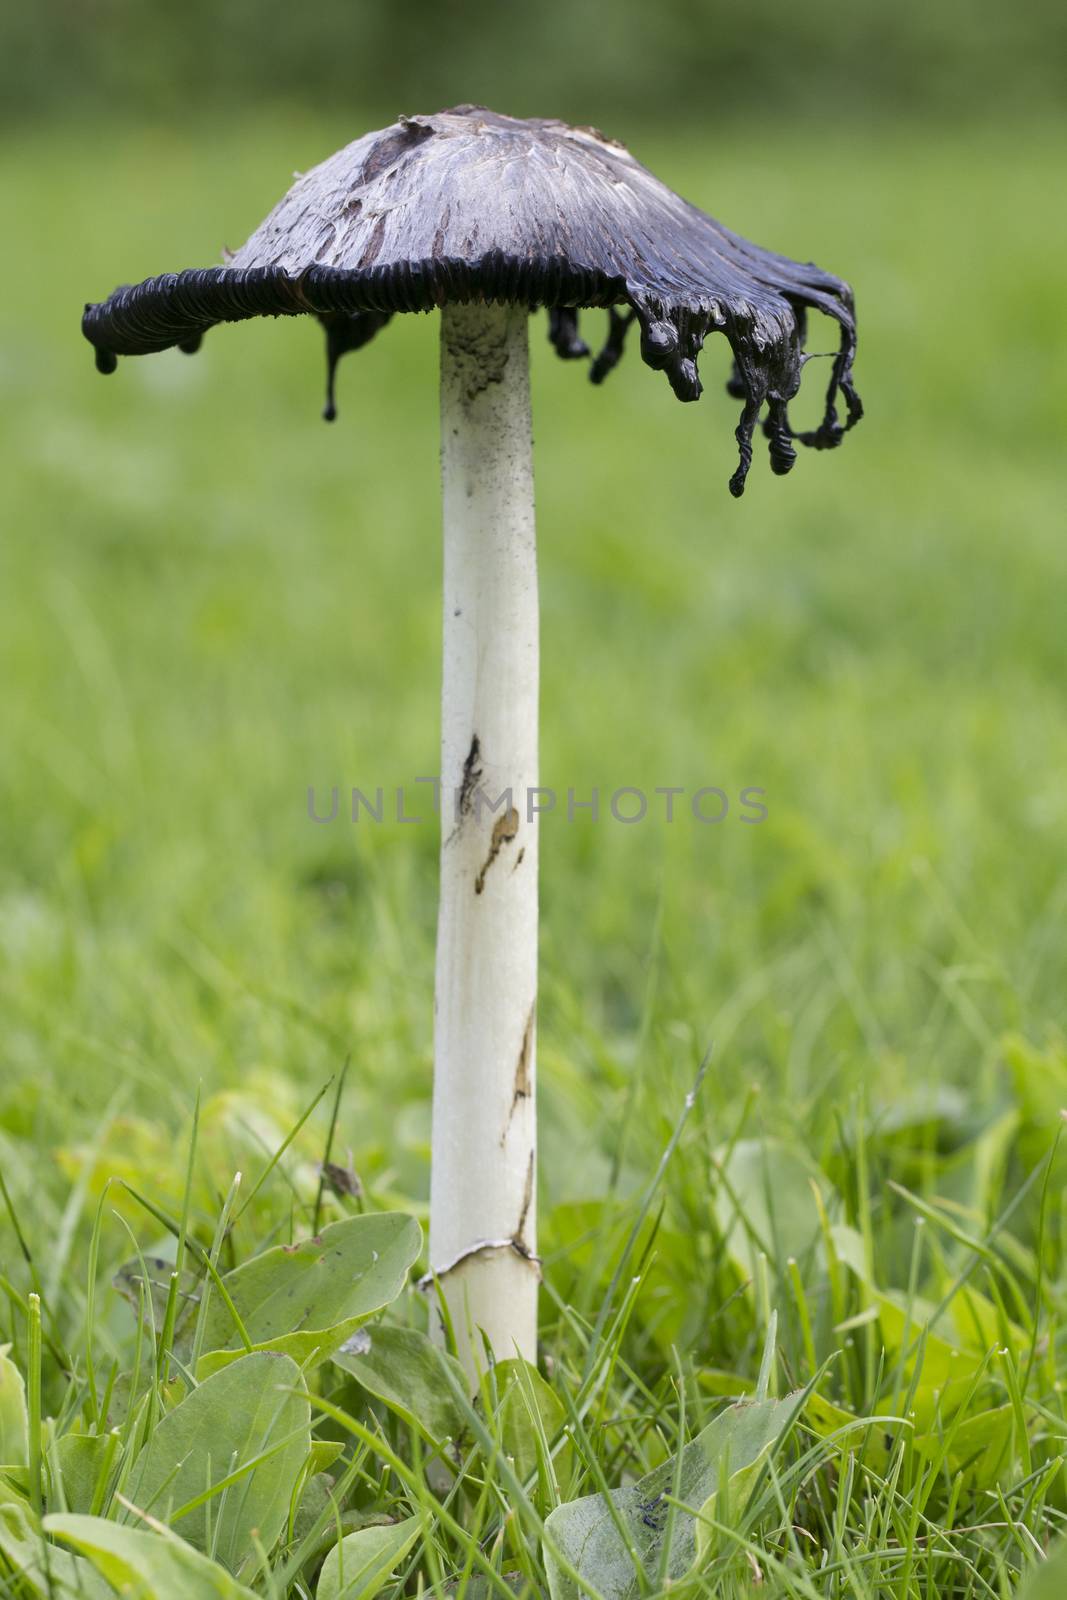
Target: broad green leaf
[[125, 1399], [978, 1323], [848, 1431], [324, 1452], [403, 1369], [14, 1432], [356, 1568], [314, 1500], [307, 1299], [529, 1410], [947, 1349], [146, 1566], [1048, 1579], [79, 1460], [254, 1410], [19, 1529], [971, 1319], [145, 1281], [586, 1238], [585, 1533], [743, 1439], [764, 1201], [477, 1587], [943, 1372], [980, 1447], [722, 1384], [21, 1550], [915, 1114]]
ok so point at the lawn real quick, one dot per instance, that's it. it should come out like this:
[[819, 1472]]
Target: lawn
[[210, 602]]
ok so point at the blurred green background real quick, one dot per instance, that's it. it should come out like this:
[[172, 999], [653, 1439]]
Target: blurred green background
[[679, 59], [210, 601]]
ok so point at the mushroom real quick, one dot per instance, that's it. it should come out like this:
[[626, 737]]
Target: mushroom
[[489, 217]]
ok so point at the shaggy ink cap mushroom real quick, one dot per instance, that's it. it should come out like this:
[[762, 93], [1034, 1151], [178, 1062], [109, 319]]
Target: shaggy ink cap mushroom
[[489, 218], [469, 206]]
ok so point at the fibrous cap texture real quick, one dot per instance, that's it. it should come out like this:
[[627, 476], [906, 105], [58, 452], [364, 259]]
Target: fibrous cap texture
[[467, 205]]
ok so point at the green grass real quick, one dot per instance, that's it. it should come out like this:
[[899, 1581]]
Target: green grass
[[210, 601]]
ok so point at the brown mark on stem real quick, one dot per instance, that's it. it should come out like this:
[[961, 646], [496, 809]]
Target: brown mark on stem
[[522, 1069], [518, 1240], [504, 830], [471, 774]]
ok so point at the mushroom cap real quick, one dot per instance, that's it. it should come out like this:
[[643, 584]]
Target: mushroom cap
[[467, 205]]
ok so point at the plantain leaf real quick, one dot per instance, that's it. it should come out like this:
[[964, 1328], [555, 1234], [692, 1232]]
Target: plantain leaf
[[324, 1452], [14, 1430], [529, 1413], [145, 1283], [980, 1447], [764, 1202], [403, 1369], [255, 1410], [587, 1534], [146, 1566], [357, 1568], [79, 1460], [24, 1552], [307, 1299], [1048, 1579]]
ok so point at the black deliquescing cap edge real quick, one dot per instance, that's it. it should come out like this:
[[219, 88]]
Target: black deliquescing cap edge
[[177, 308]]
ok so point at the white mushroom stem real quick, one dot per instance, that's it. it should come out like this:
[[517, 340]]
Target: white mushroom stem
[[482, 1189]]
